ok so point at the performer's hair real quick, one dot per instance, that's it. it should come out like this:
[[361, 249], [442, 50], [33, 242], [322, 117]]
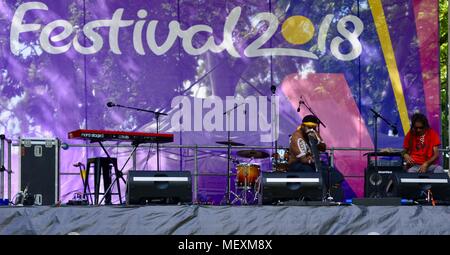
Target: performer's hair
[[419, 117]]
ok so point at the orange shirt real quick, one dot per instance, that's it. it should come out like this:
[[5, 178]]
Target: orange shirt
[[420, 148]]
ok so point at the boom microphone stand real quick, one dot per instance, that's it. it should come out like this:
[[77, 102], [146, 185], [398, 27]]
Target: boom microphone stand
[[377, 115], [229, 143], [157, 115]]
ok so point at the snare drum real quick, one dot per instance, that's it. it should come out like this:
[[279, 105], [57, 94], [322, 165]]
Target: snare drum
[[247, 174]]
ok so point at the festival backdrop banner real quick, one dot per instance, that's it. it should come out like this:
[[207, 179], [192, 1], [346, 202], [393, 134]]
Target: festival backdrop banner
[[62, 61]]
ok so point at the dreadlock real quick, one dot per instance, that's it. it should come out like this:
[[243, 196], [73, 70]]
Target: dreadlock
[[417, 117]]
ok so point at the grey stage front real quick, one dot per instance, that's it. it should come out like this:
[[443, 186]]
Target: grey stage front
[[206, 220]]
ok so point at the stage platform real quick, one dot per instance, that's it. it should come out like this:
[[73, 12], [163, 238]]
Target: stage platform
[[225, 220]]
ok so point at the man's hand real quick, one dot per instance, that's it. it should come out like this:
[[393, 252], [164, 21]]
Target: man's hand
[[322, 147], [408, 159], [310, 159], [423, 168]]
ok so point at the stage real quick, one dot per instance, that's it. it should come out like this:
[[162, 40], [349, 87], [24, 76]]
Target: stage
[[225, 220]]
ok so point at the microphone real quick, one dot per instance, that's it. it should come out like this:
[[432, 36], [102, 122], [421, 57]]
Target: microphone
[[110, 104], [300, 103], [395, 131], [77, 164], [273, 89]]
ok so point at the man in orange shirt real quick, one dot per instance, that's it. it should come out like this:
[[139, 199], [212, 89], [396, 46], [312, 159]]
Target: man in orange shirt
[[421, 147]]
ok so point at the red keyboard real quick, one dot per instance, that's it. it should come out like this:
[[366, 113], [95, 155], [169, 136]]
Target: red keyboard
[[112, 135]]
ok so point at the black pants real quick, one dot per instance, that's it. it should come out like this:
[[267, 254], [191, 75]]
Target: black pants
[[300, 167]]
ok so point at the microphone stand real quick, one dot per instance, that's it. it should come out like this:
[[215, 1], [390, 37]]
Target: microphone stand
[[277, 157], [228, 190], [312, 112], [377, 115], [157, 115]]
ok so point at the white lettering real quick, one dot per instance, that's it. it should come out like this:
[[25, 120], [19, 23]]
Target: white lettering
[[17, 27], [45, 39], [183, 115], [52, 44]]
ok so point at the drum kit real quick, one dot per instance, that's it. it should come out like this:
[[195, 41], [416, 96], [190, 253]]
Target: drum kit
[[248, 174]]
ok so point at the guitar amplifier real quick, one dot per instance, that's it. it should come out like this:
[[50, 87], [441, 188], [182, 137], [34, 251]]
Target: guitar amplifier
[[39, 168]]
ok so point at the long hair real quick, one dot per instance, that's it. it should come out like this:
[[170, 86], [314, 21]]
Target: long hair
[[417, 117]]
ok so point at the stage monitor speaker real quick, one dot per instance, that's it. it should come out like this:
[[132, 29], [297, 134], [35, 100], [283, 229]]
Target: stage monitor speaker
[[414, 186], [162, 187], [279, 187], [376, 179], [39, 168]]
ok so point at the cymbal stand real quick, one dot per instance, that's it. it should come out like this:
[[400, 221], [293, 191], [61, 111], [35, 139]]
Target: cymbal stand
[[243, 192]]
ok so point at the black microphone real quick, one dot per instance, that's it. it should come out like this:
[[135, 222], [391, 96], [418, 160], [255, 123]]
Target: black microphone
[[395, 131], [273, 88], [299, 104], [110, 104]]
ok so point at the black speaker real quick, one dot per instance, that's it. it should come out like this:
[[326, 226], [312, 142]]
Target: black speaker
[[376, 178], [280, 186], [414, 186], [164, 187], [375, 181], [39, 168]]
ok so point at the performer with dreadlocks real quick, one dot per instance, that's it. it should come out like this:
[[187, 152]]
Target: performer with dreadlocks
[[421, 147]]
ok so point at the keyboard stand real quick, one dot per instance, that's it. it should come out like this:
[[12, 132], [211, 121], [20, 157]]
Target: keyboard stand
[[118, 173]]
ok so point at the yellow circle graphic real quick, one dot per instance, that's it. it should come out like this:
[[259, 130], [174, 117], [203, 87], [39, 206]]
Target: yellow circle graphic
[[298, 30]]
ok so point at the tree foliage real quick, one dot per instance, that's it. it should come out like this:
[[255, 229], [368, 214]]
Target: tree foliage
[[443, 39]]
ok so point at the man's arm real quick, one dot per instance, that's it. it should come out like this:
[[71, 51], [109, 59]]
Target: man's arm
[[300, 150], [407, 158], [406, 148], [423, 168]]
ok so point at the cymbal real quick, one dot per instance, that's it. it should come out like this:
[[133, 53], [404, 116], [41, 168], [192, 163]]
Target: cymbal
[[230, 143], [253, 154]]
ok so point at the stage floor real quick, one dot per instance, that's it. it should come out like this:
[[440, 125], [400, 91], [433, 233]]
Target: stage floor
[[225, 220]]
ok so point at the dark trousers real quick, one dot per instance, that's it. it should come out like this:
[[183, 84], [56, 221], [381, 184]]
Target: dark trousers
[[300, 167]]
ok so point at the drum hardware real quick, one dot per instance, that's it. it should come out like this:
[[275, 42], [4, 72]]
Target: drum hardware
[[229, 143], [280, 160], [247, 179], [253, 154]]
